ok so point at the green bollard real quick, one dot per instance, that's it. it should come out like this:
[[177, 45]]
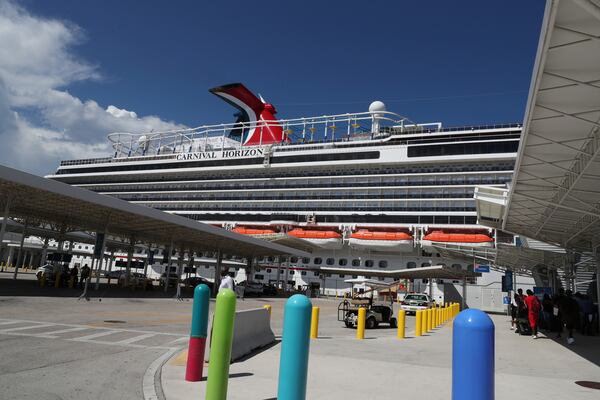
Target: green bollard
[[220, 348]]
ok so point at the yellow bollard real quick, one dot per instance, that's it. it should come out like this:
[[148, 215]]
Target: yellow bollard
[[431, 318], [427, 317], [57, 280], [360, 328], [268, 308], [401, 324], [314, 323], [418, 322], [439, 317]]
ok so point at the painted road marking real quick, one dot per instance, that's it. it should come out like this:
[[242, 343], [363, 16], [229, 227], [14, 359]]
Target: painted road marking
[[22, 328], [10, 322], [169, 340], [53, 334], [135, 339], [94, 336]]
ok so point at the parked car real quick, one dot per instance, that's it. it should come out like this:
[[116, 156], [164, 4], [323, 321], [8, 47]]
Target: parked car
[[163, 279], [269, 290], [48, 269], [252, 288], [414, 302], [115, 274], [194, 281]]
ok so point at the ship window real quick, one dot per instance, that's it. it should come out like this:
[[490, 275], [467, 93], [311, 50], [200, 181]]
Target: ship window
[[330, 261], [369, 263], [383, 264], [294, 260], [305, 260], [354, 276], [425, 265], [259, 277], [303, 273], [367, 277], [342, 276], [356, 262], [328, 275], [268, 270], [318, 261], [342, 262], [381, 278], [270, 259], [411, 264], [292, 272], [316, 273]]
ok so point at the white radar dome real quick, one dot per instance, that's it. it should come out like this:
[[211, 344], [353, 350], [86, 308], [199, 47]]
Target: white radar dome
[[377, 106], [143, 142]]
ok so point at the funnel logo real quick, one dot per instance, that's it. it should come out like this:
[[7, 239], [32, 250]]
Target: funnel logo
[[258, 115]]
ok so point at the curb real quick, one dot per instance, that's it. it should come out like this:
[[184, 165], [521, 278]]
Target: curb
[[151, 384]]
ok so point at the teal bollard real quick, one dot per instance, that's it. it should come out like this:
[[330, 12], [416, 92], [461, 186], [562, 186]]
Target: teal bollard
[[293, 364], [197, 344]]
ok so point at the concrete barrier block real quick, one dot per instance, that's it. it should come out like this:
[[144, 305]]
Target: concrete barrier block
[[251, 331]]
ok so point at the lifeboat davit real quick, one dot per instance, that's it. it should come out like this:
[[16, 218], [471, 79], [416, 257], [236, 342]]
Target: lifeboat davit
[[470, 239], [365, 239], [327, 239], [253, 231]]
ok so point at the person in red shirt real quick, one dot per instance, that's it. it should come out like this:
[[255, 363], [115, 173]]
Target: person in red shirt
[[533, 311]]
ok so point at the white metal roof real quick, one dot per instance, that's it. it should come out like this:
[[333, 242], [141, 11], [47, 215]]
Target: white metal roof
[[555, 194], [45, 200]]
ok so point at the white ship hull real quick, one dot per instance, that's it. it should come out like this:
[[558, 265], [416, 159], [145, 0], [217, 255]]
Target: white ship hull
[[381, 245]]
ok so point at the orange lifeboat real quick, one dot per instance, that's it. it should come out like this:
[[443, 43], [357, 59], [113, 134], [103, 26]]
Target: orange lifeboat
[[472, 239], [366, 239], [253, 231], [327, 239]]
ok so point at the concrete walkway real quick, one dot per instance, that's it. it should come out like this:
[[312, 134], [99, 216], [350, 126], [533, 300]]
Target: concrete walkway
[[383, 367]]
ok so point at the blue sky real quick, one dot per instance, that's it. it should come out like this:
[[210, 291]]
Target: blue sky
[[71, 71], [453, 61]]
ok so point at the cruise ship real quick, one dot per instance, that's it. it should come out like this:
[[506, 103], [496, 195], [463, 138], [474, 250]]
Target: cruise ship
[[368, 192]]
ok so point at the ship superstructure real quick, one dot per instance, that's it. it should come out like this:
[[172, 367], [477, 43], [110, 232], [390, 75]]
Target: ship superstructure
[[368, 190]]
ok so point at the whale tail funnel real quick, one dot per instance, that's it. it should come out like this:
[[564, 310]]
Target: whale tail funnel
[[259, 116]]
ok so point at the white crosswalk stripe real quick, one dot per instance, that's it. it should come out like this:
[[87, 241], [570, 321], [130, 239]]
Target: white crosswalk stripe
[[136, 339], [91, 334], [22, 328], [53, 334]]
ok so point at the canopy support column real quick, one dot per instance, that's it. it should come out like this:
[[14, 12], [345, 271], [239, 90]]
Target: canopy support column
[[20, 253], [129, 259], [179, 267], [44, 252], [168, 250], [464, 294], [217, 273], [4, 221]]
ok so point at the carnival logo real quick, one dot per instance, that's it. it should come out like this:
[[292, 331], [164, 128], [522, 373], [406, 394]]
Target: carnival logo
[[209, 155]]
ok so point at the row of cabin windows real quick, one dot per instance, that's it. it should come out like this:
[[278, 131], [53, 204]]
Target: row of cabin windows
[[355, 262]]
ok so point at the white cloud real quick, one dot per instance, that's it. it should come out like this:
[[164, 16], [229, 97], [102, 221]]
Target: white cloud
[[36, 67]]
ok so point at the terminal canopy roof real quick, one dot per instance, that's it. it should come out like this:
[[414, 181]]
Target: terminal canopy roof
[[555, 195], [44, 200]]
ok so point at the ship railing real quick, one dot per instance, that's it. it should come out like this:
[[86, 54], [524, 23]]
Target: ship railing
[[327, 128]]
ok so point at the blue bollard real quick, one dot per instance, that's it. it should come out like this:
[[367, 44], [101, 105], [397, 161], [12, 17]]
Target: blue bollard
[[473, 356], [293, 364]]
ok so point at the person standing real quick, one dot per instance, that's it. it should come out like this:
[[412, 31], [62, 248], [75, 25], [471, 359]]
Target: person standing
[[547, 311], [533, 312], [226, 281], [569, 312], [85, 273]]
